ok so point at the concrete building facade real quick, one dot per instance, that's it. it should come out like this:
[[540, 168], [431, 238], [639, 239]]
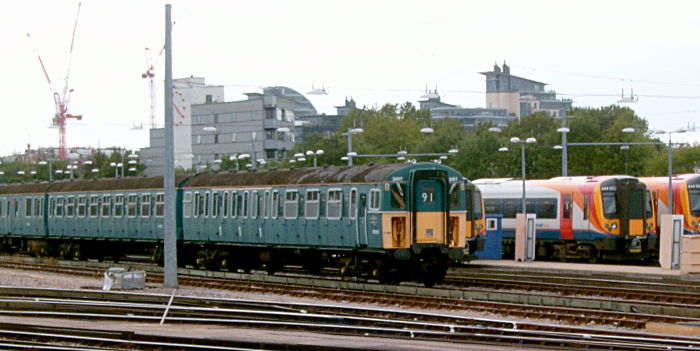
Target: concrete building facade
[[521, 96], [186, 92]]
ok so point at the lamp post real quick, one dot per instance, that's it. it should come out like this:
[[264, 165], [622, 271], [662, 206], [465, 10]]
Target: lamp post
[[350, 153], [234, 158], [522, 162], [50, 166], [670, 164], [318, 152]]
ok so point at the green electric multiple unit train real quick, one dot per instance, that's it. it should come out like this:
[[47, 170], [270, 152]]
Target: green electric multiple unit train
[[392, 222]]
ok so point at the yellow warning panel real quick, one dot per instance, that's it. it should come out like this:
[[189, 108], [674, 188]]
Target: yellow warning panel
[[430, 227]]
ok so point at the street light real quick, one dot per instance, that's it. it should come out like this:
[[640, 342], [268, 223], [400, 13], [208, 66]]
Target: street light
[[314, 154], [234, 158], [350, 132], [522, 162], [564, 130], [670, 163]]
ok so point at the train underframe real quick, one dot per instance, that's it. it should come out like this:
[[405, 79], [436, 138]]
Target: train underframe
[[638, 248], [426, 265]]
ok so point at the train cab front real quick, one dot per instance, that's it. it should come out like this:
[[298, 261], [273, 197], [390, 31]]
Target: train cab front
[[426, 225], [627, 217], [691, 205]]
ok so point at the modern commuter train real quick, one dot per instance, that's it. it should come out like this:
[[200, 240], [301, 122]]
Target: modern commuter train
[[578, 218], [686, 198], [391, 222]]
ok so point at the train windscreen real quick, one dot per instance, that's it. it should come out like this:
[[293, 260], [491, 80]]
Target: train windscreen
[[478, 212], [637, 204], [648, 205], [609, 204], [694, 199]]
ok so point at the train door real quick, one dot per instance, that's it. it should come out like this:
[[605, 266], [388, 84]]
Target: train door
[[429, 209], [566, 216], [362, 219], [631, 209]]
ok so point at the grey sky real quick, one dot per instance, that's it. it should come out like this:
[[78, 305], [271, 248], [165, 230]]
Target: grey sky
[[375, 51]]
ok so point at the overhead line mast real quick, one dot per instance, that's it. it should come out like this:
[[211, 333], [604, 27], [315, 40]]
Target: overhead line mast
[[61, 101]]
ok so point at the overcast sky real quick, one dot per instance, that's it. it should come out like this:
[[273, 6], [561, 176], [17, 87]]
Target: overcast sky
[[375, 51]]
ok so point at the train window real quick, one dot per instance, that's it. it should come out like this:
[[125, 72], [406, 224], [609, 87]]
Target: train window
[[585, 206], [312, 205], [106, 205], [118, 205], [187, 205], [28, 207], [291, 204], [197, 205], [52, 205], [531, 206], [70, 206], [94, 205], [492, 206], [15, 204], [235, 205], [146, 205], [216, 204], [374, 199], [245, 205], [274, 204], [82, 205], [566, 214], [398, 193], [58, 210], [224, 204], [454, 196], [160, 204], [510, 207], [353, 203], [254, 204], [334, 206], [547, 208], [131, 203], [207, 205], [647, 202], [609, 204]]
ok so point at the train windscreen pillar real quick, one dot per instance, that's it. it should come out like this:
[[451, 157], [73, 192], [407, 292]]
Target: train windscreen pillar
[[670, 244], [525, 237]]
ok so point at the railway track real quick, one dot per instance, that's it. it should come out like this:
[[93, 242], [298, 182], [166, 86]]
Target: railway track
[[331, 319], [423, 298]]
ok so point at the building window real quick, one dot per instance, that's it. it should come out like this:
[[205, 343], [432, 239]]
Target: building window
[[269, 135], [199, 139], [233, 137], [216, 138]]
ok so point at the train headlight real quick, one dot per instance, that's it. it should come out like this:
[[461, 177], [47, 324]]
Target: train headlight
[[613, 226]]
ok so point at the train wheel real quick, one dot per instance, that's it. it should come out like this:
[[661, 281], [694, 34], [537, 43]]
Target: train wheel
[[65, 252]]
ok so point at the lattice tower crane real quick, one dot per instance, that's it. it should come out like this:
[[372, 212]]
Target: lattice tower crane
[[61, 100]]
